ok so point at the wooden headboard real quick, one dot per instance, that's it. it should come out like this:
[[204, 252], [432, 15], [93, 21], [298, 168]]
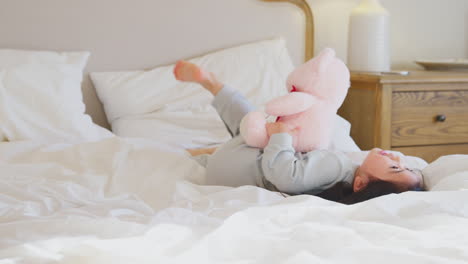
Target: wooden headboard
[[140, 34]]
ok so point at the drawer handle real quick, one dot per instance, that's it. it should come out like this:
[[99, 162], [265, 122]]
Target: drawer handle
[[440, 118]]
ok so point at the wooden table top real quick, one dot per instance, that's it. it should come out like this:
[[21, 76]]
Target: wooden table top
[[412, 77]]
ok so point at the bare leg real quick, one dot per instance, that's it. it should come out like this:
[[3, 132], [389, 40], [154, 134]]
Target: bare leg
[[189, 72], [200, 151]]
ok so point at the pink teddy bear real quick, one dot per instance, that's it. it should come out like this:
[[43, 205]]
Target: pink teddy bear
[[316, 89]]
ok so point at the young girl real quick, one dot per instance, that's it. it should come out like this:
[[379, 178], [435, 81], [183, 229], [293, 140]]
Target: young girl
[[278, 167]]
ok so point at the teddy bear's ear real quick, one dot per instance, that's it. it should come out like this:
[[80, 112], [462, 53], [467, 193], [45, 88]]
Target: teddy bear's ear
[[324, 58]]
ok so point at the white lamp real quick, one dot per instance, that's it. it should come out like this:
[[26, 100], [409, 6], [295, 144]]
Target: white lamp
[[369, 37]]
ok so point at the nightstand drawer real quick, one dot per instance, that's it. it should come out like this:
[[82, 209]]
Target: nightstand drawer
[[430, 153], [428, 118]]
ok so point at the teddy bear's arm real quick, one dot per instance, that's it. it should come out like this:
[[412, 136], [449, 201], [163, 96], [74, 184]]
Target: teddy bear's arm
[[290, 104]]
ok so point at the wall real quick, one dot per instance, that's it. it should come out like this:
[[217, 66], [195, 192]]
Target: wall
[[420, 29]]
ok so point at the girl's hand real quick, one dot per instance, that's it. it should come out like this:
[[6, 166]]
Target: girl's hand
[[279, 127]]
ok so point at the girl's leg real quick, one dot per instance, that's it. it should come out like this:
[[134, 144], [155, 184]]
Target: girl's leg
[[201, 151], [189, 72], [230, 104], [201, 155]]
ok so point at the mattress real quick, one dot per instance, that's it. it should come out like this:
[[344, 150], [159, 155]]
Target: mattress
[[137, 201]]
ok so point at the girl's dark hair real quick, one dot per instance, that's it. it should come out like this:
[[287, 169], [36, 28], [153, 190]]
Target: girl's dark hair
[[342, 192]]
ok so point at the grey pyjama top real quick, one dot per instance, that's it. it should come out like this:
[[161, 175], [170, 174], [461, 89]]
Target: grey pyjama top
[[278, 167]]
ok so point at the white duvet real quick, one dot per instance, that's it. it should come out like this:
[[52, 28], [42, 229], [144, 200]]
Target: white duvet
[[132, 201]]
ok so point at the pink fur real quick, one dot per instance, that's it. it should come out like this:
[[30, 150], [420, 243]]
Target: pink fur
[[290, 104], [320, 87]]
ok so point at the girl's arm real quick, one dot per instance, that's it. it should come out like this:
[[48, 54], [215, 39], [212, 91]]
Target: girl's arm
[[296, 173]]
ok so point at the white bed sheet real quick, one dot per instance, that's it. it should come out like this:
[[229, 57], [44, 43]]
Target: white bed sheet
[[134, 201]]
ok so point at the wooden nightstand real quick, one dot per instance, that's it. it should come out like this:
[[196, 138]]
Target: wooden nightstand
[[423, 114]]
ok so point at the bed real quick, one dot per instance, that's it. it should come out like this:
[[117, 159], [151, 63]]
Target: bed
[[115, 185]]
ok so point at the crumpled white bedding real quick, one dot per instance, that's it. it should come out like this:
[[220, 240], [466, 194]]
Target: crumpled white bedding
[[134, 201]]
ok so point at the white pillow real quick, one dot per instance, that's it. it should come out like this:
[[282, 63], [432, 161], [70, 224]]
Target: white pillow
[[341, 139], [41, 99], [152, 104], [448, 172]]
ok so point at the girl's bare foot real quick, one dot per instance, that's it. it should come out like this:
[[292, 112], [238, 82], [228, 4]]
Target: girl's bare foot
[[189, 72]]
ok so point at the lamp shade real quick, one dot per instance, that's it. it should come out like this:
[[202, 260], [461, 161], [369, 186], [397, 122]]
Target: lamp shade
[[369, 37]]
